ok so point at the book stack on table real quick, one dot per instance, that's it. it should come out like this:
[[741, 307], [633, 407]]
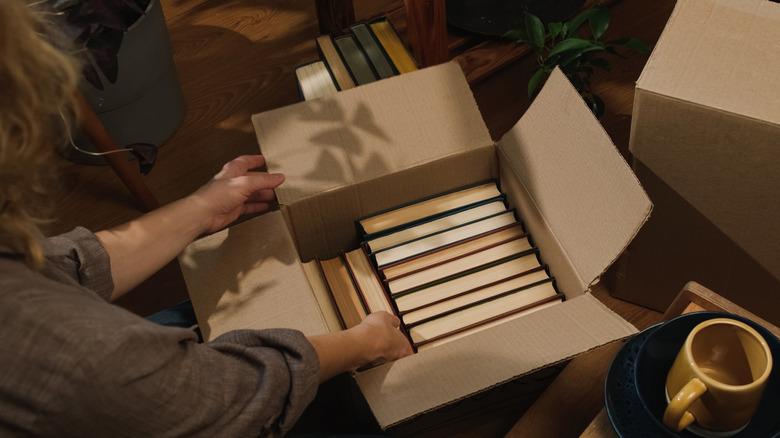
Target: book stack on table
[[370, 51], [447, 266]]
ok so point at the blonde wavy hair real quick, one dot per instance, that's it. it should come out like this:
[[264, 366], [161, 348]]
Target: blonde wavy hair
[[38, 82]]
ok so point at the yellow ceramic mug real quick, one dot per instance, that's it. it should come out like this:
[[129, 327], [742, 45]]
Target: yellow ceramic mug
[[717, 378]]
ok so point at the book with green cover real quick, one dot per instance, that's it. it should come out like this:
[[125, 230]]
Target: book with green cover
[[355, 59], [382, 65]]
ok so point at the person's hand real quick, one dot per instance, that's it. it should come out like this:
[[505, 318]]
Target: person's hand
[[236, 190], [380, 339]]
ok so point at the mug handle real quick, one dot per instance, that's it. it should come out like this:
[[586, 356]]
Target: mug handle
[[677, 416]]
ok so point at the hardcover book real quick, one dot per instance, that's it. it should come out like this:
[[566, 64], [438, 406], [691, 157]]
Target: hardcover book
[[456, 219], [345, 294], [459, 249], [459, 266], [355, 60], [507, 270], [366, 281], [395, 49], [372, 49], [315, 80], [429, 208], [331, 57], [444, 238]]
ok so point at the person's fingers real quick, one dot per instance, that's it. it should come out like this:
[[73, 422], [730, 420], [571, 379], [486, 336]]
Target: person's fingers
[[240, 165], [265, 195], [255, 182], [255, 207], [395, 321]]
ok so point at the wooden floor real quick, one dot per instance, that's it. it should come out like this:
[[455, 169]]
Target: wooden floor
[[236, 58]]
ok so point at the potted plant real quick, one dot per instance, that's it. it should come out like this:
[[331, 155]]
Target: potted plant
[[578, 50], [129, 76]]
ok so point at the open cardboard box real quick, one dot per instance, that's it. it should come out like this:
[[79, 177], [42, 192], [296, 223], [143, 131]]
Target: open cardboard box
[[705, 136], [398, 140]]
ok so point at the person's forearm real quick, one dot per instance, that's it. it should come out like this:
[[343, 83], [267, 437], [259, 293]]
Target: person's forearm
[[141, 247], [338, 352]]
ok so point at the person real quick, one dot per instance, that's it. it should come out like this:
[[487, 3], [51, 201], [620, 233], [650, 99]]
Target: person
[[72, 364]]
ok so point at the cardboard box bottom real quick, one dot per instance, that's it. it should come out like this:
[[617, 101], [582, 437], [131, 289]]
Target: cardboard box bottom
[[678, 244]]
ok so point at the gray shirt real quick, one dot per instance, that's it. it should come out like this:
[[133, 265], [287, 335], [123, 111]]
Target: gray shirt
[[71, 364]]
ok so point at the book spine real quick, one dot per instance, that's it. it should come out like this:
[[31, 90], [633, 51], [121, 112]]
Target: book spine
[[450, 245], [466, 254], [381, 64], [426, 220], [476, 289], [382, 50], [358, 57], [423, 199], [328, 68], [355, 284], [417, 345], [330, 295], [485, 300], [398, 36], [464, 273]]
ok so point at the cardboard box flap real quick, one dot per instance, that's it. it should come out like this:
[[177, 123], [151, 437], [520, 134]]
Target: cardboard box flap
[[370, 131], [432, 378], [248, 276], [721, 54], [583, 189]]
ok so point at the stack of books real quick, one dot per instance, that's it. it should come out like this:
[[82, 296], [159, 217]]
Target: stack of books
[[447, 266], [370, 51]]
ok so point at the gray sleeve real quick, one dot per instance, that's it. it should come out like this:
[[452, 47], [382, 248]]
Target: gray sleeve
[[244, 383], [81, 256]]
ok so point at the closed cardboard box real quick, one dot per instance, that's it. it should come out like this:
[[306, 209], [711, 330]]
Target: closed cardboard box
[[398, 140], [706, 140]]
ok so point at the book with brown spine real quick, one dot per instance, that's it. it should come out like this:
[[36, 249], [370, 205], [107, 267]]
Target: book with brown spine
[[330, 55], [348, 301], [367, 282], [463, 248]]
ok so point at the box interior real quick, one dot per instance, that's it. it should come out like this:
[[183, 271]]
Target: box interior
[[557, 166]]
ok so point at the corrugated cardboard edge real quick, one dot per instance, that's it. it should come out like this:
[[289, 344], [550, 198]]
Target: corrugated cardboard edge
[[498, 384], [651, 67], [558, 79], [619, 329]]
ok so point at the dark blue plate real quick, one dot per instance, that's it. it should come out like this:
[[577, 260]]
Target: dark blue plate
[[634, 415], [657, 355], [625, 411]]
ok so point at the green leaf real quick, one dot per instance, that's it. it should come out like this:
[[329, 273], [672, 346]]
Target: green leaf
[[573, 55], [574, 24], [598, 22], [564, 30], [554, 29], [572, 44], [595, 104], [535, 30], [536, 80], [637, 45], [515, 35]]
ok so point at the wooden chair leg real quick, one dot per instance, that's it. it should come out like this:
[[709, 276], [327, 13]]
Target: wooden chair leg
[[427, 28], [96, 133], [335, 15]]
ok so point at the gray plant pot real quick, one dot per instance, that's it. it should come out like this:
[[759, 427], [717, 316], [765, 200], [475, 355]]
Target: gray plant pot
[[145, 105]]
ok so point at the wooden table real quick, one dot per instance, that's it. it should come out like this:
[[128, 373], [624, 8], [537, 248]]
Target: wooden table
[[580, 386]]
